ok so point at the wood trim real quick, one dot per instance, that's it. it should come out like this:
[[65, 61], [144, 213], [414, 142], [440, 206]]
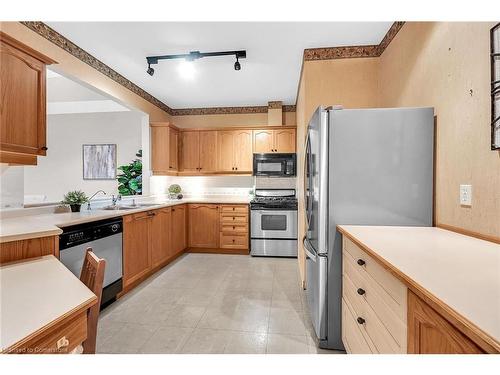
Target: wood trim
[[6, 38], [18, 250], [231, 128], [218, 251], [481, 338], [14, 158], [80, 309], [469, 233]]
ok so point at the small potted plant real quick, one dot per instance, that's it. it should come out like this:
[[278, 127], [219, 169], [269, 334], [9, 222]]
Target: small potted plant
[[174, 191], [75, 199]]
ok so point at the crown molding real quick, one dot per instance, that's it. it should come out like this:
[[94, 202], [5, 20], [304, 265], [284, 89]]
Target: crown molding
[[59, 40], [349, 52]]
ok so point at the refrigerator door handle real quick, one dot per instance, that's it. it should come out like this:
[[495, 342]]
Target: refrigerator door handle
[[307, 250], [307, 190]]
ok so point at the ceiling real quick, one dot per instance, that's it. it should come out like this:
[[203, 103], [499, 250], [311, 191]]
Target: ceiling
[[270, 72]]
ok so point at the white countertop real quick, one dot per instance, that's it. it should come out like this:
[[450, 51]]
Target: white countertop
[[461, 271], [34, 226], [33, 294]]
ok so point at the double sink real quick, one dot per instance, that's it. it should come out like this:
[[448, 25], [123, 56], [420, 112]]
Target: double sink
[[120, 207]]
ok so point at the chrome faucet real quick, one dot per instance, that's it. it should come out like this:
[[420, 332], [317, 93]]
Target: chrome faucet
[[117, 199], [97, 192]]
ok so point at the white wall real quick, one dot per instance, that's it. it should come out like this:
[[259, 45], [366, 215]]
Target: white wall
[[11, 186], [61, 170]]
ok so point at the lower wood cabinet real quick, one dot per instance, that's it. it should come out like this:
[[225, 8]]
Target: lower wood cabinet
[[137, 244], [150, 240], [218, 228], [203, 226], [431, 333], [30, 248]]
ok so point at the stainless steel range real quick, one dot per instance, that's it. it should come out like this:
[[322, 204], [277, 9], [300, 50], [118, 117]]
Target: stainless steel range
[[274, 223]]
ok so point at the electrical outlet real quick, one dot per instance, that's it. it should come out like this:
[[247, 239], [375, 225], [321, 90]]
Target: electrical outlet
[[466, 195]]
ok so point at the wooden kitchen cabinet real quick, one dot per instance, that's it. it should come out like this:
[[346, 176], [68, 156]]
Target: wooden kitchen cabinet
[[161, 244], [29, 248], [198, 152], [23, 102], [178, 229], [234, 150], [431, 333], [164, 149], [279, 141], [203, 226], [137, 246]]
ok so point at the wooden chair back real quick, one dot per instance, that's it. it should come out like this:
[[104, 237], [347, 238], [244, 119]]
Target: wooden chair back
[[92, 276]]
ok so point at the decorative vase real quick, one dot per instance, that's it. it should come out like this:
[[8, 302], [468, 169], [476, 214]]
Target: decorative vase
[[75, 207]]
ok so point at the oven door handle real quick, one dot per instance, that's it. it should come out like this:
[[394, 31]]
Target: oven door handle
[[307, 250]]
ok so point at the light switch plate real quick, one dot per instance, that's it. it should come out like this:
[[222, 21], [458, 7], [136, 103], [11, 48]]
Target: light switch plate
[[466, 195]]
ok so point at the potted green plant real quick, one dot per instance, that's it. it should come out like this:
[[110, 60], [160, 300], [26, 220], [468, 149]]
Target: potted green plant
[[75, 199], [130, 180], [174, 191]]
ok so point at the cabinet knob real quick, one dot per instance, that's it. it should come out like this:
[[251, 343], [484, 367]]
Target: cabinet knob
[[233, 239], [360, 320], [361, 291], [236, 168], [361, 262], [44, 148]]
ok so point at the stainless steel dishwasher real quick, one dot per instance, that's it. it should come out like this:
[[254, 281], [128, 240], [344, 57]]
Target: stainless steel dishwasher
[[105, 239]]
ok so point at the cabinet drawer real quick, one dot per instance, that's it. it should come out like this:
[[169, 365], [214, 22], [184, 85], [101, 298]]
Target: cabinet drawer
[[234, 229], [234, 209], [373, 329], [386, 307], [233, 241], [387, 282], [352, 337], [62, 338], [233, 219]]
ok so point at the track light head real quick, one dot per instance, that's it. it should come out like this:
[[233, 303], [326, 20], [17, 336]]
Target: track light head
[[150, 70], [237, 65]]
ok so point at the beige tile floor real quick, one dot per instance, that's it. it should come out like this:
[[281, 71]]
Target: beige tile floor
[[207, 303]]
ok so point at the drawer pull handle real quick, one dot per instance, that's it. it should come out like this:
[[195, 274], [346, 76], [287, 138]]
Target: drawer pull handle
[[63, 342], [361, 291], [361, 262], [361, 320]]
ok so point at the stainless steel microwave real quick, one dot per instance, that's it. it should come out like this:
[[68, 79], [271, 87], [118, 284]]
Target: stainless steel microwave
[[275, 165]]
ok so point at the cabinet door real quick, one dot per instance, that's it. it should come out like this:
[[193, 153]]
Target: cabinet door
[[430, 333], [178, 229], [173, 150], [284, 140], [161, 248], [136, 247], [190, 151], [208, 151], [23, 101], [263, 141], [159, 149], [203, 226], [226, 151], [243, 151]]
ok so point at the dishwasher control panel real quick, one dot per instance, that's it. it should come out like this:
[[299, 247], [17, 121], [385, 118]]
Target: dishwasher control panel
[[82, 233]]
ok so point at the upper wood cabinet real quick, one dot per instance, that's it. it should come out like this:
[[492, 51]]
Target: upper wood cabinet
[[23, 102], [278, 140], [234, 149], [430, 333], [203, 226], [164, 148], [198, 151]]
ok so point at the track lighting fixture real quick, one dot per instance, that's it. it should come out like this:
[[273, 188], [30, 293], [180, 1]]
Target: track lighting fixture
[[150, 70], [195, 55]]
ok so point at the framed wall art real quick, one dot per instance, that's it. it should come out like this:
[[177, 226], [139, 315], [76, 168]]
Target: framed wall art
[[99, 162]]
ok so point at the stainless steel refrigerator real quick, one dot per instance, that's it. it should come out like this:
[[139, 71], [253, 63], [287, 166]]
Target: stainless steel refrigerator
[[366, 167]]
